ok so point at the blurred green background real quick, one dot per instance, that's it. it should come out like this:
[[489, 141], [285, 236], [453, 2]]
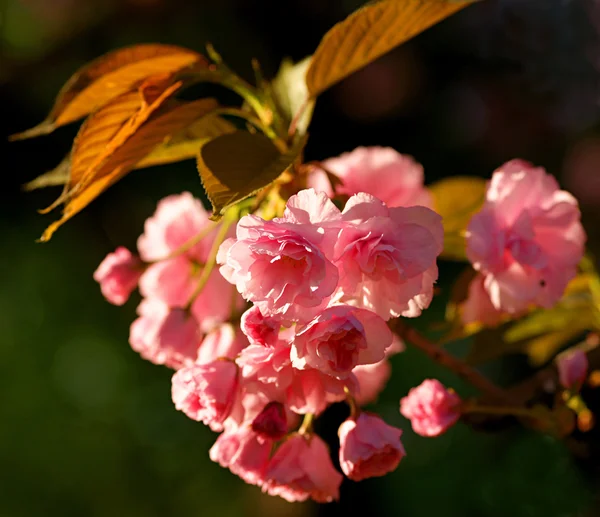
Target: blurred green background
[[88, 428]]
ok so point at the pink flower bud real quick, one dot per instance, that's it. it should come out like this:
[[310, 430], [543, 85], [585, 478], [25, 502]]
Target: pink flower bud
[[118, 275], [244, 452], [369, 447], [572, 368], [206, 392], [300, 469], [431, 408], [165, 336], [271, 422]]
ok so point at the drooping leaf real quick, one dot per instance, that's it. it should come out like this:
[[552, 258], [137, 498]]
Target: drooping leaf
[[456, 199], [235, 166], [186, 143], [127, 148], [110, 76], [291, 93], [370, 32], [57, 176]]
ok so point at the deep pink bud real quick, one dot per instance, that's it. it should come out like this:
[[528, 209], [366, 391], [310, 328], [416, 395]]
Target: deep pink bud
[[431, 408], [369, 447], [300, 469], [118, 275], [206, 392], [244, 453], [572, 368], [271, 422]]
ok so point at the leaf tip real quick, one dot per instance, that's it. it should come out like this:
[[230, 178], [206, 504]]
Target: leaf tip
[[44, 128]]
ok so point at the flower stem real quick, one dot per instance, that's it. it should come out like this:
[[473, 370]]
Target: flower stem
[[230, 217], [307, 424], [458, 366], [351, 403]]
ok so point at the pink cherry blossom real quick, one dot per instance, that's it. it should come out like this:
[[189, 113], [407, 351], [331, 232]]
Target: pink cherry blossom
[[259, 329], [165, 336], [206, 392], [478, 307], [271, 422], [311, 391], [431, 408], [226, 340], [527, 239], [244, 452], [369, 447], [394, 178], [572, 368], [372, 378], [340, 338], [279, 264], [177, 219], [301, 469], [387, 256], [174, 278], [118, 275]]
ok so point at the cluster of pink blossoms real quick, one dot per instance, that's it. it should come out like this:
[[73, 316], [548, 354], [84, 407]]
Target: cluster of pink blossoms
[[294, 316]]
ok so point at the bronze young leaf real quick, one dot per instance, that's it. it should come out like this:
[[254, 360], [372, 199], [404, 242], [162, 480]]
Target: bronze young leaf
[[144, 131], [108, 77], [369, 33], [235, 166]]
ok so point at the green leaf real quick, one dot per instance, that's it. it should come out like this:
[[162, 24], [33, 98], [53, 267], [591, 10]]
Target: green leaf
[[237, 165], [370, 32], [457, 199], [291, 94]]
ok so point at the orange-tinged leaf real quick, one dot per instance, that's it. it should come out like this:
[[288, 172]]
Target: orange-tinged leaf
[[236, 166], [57, 176], [127, 148], [370, 32], [110, 76]]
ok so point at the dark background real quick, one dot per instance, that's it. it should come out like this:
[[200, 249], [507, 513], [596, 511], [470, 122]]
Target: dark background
[[88, 429]]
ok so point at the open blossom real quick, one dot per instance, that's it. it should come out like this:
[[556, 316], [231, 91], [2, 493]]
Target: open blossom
[[280, 264], [269, 370], [527, 239], [177, 219], [174, 280], [340, 338], [259, 329], [572, 368], [386, 257], [431, 408], [478, 307], [207, 392], [372, 378], [244, 452], [301, 469], [383, 172], [164, 335], [118, 275], [224, 341], [369, 447]]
